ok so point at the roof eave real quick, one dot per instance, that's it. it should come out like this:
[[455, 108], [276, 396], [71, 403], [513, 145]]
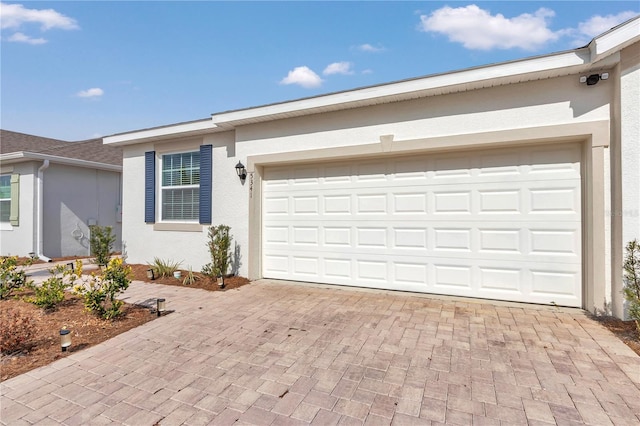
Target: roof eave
[[22, 156], [191, 128], [470, 79], [600, 53], [615, 39]]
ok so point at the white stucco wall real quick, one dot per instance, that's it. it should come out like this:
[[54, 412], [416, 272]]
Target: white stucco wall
[[630, 142], [73, 197], [20, 240], [541, 103]]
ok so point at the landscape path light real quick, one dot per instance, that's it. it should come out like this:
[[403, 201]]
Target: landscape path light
[[65, 339], [160, 306]]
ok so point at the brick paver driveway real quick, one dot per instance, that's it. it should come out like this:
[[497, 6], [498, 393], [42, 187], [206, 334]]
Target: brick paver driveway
[[279, 353]]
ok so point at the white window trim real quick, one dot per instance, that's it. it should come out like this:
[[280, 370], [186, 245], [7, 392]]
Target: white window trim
[[160, 187]]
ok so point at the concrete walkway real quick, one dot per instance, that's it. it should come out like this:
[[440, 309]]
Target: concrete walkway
[[276, 353]]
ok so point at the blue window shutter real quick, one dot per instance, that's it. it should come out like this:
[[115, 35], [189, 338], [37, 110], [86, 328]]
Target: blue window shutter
[[150, 187], [205, 183]]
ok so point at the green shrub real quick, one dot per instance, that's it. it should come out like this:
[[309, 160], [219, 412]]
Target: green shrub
[[631, 288], [12, 278], [219, 245], [17, 331], [51, 292], [164, 268], [99, 294], [101, 243]]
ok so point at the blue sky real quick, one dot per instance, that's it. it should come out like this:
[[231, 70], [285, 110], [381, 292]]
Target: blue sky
[[77, 70]]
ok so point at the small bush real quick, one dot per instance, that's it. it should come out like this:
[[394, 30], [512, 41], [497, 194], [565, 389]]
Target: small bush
[[101, 243], [50, 293], [11, 278], [632, 280], [17, 331], [99, 294], [164, 268], [219, 248]]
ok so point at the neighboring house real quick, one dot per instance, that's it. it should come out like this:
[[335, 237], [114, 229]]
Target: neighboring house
[[52, 190], [517, 181]]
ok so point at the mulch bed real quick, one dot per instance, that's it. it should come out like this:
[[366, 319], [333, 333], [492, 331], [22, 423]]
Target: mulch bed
[[139, 273], [624, 330], [86, 330]]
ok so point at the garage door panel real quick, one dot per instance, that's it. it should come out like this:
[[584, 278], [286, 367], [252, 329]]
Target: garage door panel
[[502, 224], [507, 241], [504, 202], [543, 283]]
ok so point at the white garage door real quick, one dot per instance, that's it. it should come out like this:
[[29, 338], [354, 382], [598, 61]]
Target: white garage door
[[498, 224]]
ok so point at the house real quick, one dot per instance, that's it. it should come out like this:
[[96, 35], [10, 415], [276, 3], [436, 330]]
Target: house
[[51, 191], [517, 181]]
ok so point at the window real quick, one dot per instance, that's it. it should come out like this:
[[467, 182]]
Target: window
[[180, 187], [184, 188], [5, 198]]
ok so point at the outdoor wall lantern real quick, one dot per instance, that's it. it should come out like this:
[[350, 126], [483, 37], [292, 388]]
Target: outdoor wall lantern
[[241, 171], [150, 274], [160, 306], [65, 339]]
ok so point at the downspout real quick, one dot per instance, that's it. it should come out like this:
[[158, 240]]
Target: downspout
[[40, 213]]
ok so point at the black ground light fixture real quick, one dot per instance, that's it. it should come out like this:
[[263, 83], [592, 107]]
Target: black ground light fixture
[[65, 339], [241, 171], [150, 274], [161, 306]]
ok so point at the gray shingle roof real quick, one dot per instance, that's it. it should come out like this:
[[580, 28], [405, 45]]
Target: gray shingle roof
[[89, 150]]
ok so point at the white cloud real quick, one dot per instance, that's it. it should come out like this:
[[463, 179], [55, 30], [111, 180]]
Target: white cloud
[[94, 92], [476, 28], [597, 24], [370, 48], [338, 68], [367, 71], [22, 38], [302, 76], [15, 15]]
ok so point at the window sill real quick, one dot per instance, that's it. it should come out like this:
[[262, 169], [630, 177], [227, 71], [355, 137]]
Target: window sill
[[180, 227], [6, 226]]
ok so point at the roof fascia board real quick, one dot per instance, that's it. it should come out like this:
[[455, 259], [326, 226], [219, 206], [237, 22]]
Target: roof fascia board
[[526, 67], [177, 130], [15, 157], [615, 40]]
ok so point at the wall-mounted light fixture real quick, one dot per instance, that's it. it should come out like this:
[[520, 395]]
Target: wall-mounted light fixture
[[65, 339], [594, 78], [160, 306], [241, 171]]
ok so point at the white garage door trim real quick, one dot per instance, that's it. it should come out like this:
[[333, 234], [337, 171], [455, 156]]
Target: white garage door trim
[[499, 224]]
